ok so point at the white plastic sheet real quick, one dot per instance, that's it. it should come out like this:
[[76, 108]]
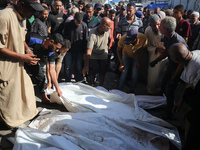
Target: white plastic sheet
[[98, 120]]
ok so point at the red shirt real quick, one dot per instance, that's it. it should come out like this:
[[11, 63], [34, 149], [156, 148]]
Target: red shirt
[[183, 28]]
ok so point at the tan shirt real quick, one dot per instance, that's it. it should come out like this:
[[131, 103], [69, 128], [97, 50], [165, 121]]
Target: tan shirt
[[98, 44], [17, 97]]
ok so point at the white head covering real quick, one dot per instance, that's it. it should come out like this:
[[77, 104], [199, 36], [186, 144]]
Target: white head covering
[[195, 13], [161, 14]]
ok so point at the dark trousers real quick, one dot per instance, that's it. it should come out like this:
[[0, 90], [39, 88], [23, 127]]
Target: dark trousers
[[192, 98], [168, 87], [38, 75]]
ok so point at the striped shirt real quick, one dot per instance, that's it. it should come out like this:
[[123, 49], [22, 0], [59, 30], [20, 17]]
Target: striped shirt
[[39, 27], [124, 25]]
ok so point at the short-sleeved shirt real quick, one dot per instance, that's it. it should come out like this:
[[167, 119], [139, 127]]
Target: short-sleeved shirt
[[39, 27], [124, 25], [77, 35], [56, 22], [183, 28], [130, 50], [175, 38], [98, 44], [94, 22], [191, 72]]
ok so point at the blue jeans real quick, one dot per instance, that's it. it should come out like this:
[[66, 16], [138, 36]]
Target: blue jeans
[[77, 58], [128, 63]]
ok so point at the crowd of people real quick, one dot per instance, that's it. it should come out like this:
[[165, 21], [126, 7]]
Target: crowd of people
[[50, 42]]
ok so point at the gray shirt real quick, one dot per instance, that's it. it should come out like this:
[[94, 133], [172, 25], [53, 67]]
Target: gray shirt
[[124, 25], [98, 44]]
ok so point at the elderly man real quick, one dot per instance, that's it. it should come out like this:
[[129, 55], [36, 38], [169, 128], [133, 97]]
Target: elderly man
[[171, 78], [97, 51], [17, 97], [195, 27], [133, 44], [191, 61], [155, 48]]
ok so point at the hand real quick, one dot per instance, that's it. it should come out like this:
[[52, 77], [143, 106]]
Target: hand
[[177, 106], [153, 63], [59, 92], [121, 67], [30, 59], [159, 50], [118, 36], [85, 71]]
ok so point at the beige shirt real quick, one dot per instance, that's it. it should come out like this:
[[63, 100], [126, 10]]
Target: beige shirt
[[17, 97], [98, 44]]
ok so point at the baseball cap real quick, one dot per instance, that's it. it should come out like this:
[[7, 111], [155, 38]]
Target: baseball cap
[[98, 5], [139, 14], [35, 4], [131, 36]]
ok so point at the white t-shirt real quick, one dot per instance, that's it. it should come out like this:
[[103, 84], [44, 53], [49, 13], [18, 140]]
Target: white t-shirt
[[191, 73]]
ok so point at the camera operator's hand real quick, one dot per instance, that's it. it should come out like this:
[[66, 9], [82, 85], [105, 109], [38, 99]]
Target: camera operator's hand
[[153, 63]]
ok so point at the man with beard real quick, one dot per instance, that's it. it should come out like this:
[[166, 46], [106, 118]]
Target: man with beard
[[155, 48], [39, 24], [56, 19], [195, 27], [45, 49], [172, 75], [97, 10], [89, 19], [96, 60], [128, 22]]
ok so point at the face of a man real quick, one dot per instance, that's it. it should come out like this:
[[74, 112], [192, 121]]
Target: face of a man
[[193, 19], [177, 14], [54, 47], [97, 11], [57, 7], [80, 7], [107, 12], [162, 27], [44, 15], [106, 27], [89, 12], [155, 27], [130, 11], [119, 6], [112, 16]]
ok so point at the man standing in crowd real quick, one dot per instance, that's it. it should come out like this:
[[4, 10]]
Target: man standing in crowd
[[77, 32], [195, 27], [81, 6], [157, 10], [97, 10], [89, 19], [17, 97], [39, 24], [107, 8], [72, 12], [155, 48], [171, 78], [145, 20], [128, 22], [97, 51], [55, 21], [183, 26], [120, 4], [133, 44], [191, 95]]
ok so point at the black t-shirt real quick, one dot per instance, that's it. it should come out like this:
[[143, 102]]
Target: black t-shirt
[[56, 22]]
